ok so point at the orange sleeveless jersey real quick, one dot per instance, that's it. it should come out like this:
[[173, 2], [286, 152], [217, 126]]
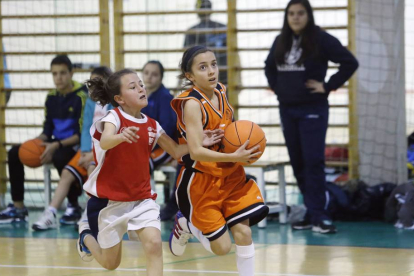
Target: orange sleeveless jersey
[[213, 118]]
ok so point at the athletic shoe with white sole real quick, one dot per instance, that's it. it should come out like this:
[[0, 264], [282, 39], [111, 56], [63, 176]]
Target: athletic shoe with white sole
[[180, 235], [71, 215], [324, 227], [304, 224], [83, 251], [48, 220], [84, 230], [12, 214]]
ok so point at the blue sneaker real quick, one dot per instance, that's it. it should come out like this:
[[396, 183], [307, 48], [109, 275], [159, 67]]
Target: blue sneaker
[[72, 215], [12, 214], [83, 251], [180, 235]]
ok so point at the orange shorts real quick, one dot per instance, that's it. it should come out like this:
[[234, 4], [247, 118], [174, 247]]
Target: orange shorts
[[80, 173], [211, 203]]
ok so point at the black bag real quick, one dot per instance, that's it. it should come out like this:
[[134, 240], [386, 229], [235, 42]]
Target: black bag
[[365, 203]]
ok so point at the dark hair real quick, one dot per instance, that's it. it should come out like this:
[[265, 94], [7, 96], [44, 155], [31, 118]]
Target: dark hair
[[187, 61], [204, 4], [102, 71], [104, 91], [159, 66], [62, 59], [308, 41]]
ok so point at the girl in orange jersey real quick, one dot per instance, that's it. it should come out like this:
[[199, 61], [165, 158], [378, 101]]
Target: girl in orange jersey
[[213, 193], [121, 196]]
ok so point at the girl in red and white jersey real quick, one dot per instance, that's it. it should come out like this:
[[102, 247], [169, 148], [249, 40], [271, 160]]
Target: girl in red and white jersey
[[121, 196]]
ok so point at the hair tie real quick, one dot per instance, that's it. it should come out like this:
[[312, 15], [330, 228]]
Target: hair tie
[[190, 53]]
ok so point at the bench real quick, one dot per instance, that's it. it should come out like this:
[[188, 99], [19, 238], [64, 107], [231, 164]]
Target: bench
[[258, 169]]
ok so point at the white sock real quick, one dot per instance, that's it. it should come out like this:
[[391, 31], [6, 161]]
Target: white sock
[[245, 259], [199, 235], [52, 209]]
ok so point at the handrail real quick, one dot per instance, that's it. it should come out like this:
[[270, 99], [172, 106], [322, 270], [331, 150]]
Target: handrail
[[218, 31], [267, 144], [43, 16], [50, 53], [200, 11], [48, 34], [222, 68]]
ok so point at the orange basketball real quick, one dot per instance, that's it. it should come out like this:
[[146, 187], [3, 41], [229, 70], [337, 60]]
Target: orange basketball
[[237, 133], [30, 152]]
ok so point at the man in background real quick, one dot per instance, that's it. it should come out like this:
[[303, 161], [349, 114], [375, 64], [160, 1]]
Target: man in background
[[211, 40]]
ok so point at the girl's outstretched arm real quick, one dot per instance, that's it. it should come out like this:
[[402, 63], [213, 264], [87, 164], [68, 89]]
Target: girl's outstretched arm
[[110, 140], [210, 137], [171, 147]]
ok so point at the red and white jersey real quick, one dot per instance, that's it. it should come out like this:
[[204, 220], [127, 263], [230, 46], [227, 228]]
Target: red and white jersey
[[123, 172]]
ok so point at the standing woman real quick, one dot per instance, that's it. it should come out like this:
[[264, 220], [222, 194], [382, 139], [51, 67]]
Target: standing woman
[[159, 107], [296, 69]]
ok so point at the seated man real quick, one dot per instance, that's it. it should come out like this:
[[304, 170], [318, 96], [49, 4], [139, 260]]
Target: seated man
[[61, 132]]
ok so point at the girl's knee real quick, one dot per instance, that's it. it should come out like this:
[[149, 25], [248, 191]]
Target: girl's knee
[[242, 235], [153, 247], [112, 263], [222, 248]]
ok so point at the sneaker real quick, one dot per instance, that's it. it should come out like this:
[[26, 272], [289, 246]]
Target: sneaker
[[180, 235], [399, 225], [12, 214], [47, 221], [303, 224], [83, 251], [72, 215], [324, 227]]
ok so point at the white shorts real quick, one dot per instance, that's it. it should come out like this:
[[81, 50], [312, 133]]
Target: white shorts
[[118, 218]]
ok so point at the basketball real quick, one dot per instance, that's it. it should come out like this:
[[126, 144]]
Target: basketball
[[30, 152], [237, 133]]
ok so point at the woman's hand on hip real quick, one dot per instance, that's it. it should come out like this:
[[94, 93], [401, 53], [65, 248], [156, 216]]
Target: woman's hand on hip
[[315, 86]]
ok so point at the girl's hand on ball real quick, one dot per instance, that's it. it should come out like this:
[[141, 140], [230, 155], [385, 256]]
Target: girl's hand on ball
[[245, 155]]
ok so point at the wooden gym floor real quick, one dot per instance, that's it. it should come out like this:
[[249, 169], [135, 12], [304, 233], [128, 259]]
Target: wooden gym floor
[[360, 248]]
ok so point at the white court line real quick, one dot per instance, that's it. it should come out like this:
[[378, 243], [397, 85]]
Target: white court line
[[143, 269]]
